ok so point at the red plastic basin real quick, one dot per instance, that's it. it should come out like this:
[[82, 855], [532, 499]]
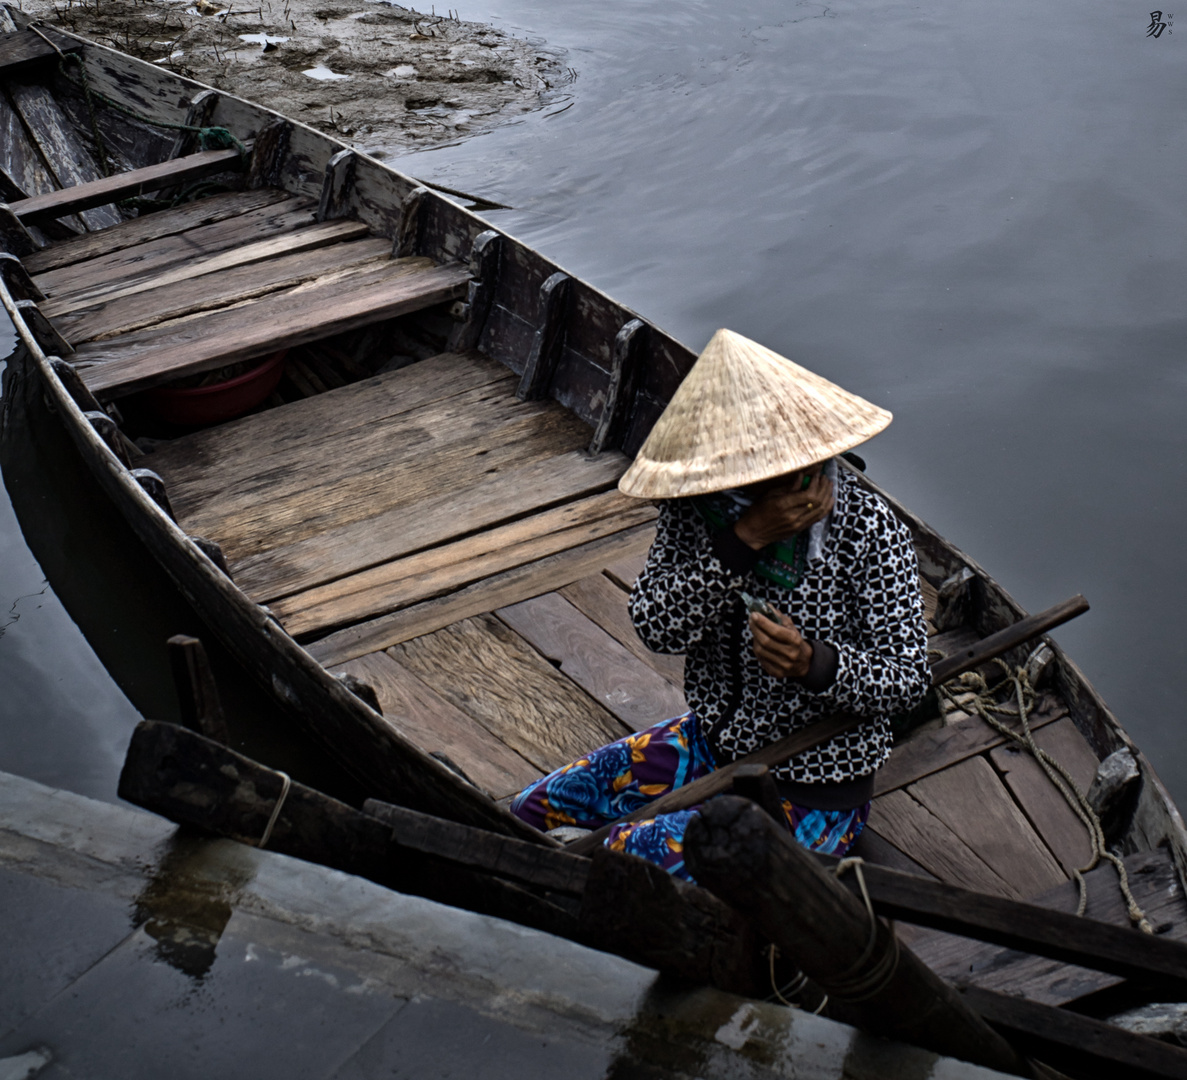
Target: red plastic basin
[[218, 401]]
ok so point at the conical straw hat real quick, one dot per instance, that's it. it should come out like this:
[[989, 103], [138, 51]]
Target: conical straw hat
[[744, 414]]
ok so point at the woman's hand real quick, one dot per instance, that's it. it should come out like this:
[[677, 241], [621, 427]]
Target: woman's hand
[[780, 649], [784, 510]]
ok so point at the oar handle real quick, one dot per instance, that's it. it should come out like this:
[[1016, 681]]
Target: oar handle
[[1012, 636], [782, 750]]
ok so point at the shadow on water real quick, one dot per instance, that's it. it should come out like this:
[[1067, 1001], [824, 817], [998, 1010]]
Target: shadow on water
[[124, 603]]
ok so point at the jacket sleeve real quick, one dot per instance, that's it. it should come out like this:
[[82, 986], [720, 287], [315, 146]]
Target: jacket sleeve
[[882, 667], [689, 582]]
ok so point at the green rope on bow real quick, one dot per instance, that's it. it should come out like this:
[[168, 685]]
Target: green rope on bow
[[209, 138]]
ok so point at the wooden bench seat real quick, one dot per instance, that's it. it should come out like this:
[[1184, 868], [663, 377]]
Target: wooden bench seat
[[216, 339], [126, 185]]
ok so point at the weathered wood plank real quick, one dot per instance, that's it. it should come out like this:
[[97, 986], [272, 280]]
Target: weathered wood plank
[[625, 571], [973, 802], [493, 675], [1059, 826], [165, 252], [269, 153], [150, 307], [501, 855], [70, 162], [1156, 888], [603, 668], [15, 239], [393, 533], [485, 257], [105, 190], [292, 243], [550, 335], [24, 46], [443, 569], [630, 349], [24, 171], [279, 321], [348, 731], [197, 694], [209, 460], [336, 186], [1071, 1042], [424, 717], [379, 466], [961, 737], [923, 837], [601, 600], [495, 592], [142, 230], [1031, 927]]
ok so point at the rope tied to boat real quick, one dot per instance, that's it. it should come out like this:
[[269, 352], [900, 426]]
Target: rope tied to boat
[[857, 982], [209, 138], [284, 792], [985, 704]]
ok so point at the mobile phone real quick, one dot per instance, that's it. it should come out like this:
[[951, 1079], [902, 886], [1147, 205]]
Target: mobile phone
[[753, 603]]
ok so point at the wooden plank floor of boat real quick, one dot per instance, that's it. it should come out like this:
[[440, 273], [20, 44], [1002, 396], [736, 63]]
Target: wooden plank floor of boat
[[188, 290], [459, 550]]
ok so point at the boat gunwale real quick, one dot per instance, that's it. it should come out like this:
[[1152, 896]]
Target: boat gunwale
[[1157, 817]]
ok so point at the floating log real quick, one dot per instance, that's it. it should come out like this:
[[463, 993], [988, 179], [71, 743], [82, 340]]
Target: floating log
[[736, 851], [197, 695], [830, 727]]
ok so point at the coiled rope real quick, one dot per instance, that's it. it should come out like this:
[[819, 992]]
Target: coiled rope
[[857, 982], [985, 704]]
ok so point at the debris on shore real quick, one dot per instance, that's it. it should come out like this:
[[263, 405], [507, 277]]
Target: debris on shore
[[379, 76]]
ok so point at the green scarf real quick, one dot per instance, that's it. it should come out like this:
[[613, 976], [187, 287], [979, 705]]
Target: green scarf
[[782, 562]]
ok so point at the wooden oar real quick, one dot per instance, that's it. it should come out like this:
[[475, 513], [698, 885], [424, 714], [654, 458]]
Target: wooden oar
[[830, 727]]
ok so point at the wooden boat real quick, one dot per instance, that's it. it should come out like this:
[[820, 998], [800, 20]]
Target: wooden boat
[[427, 501]]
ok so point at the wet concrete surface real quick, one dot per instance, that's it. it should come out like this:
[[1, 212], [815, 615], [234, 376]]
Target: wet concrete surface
[[134, 949]]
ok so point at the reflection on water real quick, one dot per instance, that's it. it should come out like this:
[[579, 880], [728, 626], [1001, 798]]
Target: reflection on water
[[969, 215]]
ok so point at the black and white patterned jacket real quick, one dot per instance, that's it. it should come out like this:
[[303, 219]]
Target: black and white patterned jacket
[[861, 597]]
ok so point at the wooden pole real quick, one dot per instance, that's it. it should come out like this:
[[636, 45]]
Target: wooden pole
[[197, 692], [782, 750], [736, 851]]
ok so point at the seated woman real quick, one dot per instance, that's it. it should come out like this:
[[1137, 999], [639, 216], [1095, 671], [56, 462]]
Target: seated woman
[[743, 459]]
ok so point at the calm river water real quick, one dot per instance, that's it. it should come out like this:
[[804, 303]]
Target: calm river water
[[971, 214]]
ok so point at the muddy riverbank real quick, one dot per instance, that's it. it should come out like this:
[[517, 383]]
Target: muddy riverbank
[[382, 77]]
